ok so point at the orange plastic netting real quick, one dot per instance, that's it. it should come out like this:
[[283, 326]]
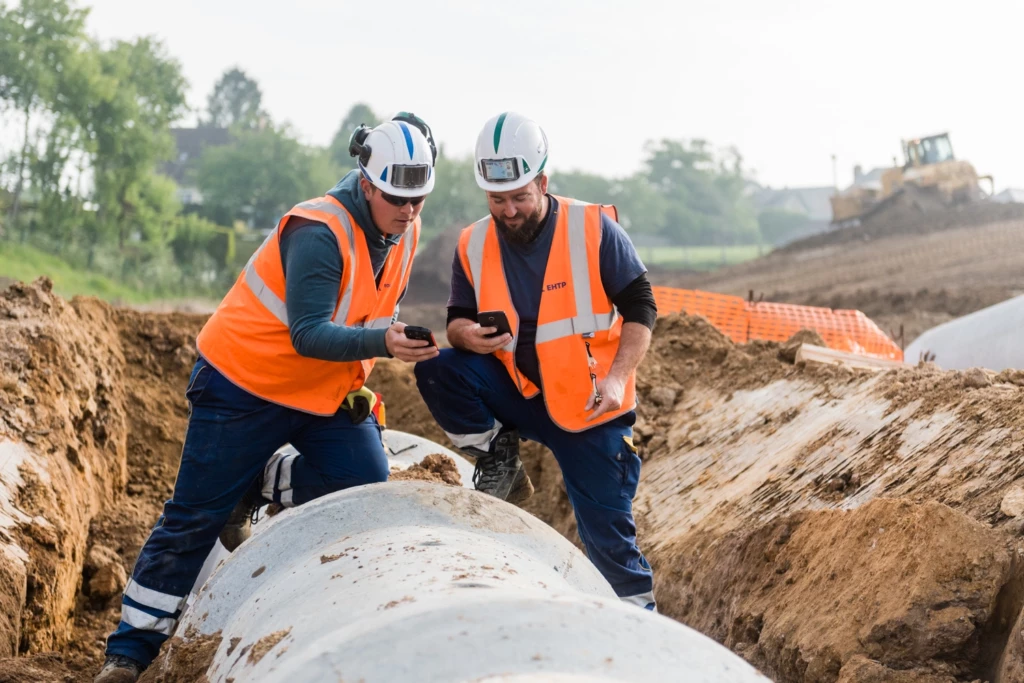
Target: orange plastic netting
[[742, 321]]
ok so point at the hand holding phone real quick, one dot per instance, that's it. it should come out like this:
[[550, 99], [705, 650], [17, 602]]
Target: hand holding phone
[[409, 343], [420, 334], [488, 334], [496, 319]]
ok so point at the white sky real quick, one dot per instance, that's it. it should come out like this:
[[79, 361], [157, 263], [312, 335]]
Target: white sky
[[788, 82]]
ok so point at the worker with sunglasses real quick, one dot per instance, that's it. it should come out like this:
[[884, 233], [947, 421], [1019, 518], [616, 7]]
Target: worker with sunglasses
[[284, 360], [550, 314]]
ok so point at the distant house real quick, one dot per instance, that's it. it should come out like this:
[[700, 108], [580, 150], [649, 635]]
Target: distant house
[[189, 145], [1010, 196], [812, 202]]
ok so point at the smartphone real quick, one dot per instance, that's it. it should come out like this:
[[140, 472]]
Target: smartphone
[[420, 333], [494, 319]]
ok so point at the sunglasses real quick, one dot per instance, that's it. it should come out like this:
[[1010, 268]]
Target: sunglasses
[[402, 201]]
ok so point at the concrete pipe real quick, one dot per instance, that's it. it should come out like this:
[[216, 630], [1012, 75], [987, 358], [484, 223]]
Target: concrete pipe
[[413, 581]]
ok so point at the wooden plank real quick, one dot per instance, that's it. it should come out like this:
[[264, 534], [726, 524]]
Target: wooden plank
[[810, 353]]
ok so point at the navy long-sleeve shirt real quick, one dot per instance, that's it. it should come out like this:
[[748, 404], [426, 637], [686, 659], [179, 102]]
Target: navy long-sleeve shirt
[[313, 271]]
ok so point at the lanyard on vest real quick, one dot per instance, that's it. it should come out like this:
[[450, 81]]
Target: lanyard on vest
[[587, 321]]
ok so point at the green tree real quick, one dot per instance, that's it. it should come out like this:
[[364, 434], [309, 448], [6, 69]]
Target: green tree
[[235, 102], [139, 94], [360, 113], [587, 187], [63, 150], [262, 175], [703, 191], [642, 208], [38, 39]]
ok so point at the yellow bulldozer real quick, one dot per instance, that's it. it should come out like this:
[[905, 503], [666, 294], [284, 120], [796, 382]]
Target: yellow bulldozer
[[930, 173]]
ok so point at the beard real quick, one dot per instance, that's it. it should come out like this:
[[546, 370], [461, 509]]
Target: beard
[[523, 234]]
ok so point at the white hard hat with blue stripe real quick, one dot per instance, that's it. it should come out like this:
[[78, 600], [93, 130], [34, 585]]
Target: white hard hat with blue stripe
[[511, 151], [397, 156]]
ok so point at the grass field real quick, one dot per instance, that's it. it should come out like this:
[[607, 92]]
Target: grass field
[[26, 263], [700, 258]]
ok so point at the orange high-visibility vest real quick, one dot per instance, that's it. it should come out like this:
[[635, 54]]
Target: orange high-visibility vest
[[248, 340], [578, 328]]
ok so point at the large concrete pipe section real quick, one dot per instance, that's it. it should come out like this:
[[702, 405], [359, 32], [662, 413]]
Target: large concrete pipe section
[[413, 581]]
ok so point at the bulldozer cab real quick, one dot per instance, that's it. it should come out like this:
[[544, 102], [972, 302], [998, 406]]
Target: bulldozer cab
[[934, 149]]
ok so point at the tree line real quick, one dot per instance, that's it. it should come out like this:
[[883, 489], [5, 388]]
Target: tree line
[[88, 130]]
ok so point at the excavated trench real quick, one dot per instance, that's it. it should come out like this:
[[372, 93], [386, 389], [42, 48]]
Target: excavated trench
[[826, 524]]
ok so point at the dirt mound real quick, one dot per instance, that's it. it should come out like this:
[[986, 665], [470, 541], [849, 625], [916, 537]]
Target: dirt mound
[[436, 467], [792, 345], [807, 592], [64, 430], [766, 506], [91, 420]]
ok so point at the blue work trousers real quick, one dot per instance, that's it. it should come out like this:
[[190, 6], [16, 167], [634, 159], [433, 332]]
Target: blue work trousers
[[468, 392], [230, 438]]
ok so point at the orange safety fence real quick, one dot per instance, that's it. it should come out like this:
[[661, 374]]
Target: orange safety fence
[[727, 313], [742, 321]]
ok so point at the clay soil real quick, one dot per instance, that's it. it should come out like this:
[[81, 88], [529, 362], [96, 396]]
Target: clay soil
[[826, 524], [97, 392]]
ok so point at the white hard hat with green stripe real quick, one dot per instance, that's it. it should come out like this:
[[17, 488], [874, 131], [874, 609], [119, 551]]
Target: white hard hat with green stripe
[[511, 151]]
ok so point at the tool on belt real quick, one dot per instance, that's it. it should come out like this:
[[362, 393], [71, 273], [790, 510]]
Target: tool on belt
[[359, 404]]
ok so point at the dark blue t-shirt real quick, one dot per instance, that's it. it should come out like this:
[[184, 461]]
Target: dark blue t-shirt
[[524, 270]]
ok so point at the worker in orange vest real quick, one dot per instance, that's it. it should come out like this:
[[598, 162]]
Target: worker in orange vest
[[550, 314], [284, 360]]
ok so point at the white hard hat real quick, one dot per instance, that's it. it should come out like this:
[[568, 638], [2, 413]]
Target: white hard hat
[[511, 151], [397, 156]]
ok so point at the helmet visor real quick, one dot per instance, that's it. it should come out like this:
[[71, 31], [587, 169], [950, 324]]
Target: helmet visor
[[499, 170], [409, 177]]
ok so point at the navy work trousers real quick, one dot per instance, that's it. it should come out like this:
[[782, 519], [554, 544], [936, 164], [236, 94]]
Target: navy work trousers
[[231, 437], [471, 394]]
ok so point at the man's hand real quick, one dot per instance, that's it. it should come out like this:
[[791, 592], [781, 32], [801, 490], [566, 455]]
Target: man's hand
[[612, 390], [405, 349], [469, 336], [632, 347]]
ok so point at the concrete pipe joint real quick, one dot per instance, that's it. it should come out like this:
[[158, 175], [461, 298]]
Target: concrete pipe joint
[[415, 581]]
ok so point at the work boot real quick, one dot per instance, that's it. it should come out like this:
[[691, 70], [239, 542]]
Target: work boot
[[499, 472], [119, 669], [239, 525]]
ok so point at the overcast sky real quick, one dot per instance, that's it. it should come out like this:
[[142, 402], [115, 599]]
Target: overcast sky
[[788, 82]]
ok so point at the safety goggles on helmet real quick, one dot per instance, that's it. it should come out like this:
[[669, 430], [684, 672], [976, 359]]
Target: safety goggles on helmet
[[500, 170], [402, 201], [409, 176]]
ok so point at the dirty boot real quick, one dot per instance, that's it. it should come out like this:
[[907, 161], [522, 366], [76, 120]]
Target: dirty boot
[[499, 472], [119, 669], [239, 525]]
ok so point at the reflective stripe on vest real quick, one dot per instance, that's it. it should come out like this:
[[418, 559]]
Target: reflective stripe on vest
[[277, 307], [586, 321]]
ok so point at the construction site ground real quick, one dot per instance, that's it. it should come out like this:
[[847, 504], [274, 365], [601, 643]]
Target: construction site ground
[[829, 525]]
